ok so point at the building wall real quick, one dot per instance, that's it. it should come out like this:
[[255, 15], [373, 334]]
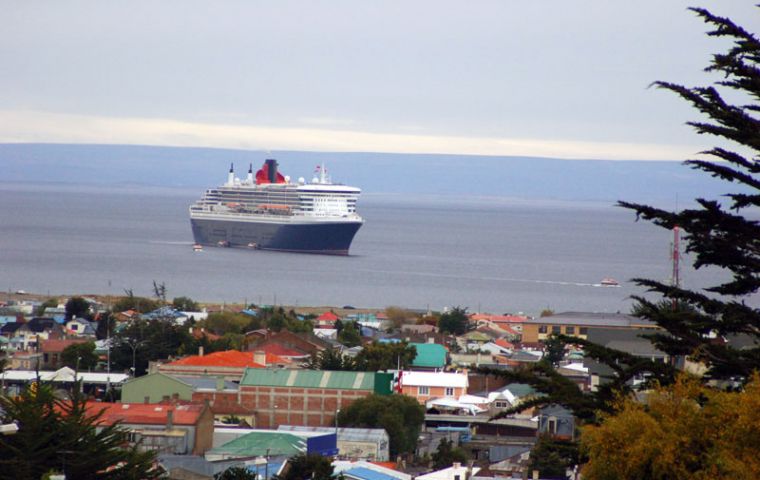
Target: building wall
[[204, 433], [533, 332], [155, 388], [433, 392], [270, 407]]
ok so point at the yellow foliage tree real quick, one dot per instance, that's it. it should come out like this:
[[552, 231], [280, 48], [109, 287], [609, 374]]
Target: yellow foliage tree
[[686, 430]]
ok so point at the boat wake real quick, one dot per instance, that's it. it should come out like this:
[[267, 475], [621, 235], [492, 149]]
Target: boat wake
[[492, 279]]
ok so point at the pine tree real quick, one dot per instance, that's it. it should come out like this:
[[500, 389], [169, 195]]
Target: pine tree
[[717, 233], [697, 324]]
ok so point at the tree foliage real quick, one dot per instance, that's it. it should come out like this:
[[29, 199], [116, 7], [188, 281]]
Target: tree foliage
[[330, 359], [61, 435], [148, 341], [307, 467], [132, 302], [349, 335], [554, 350], [236, 473], [400, 415], [80, 356], [447, 453], [717, 233], [552, 457], [78, 307], [185, 304], [454, 321], [685, 430], [49, 303], [378, 356]]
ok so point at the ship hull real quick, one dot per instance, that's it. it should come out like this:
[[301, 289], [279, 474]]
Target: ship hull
[[323, 237]]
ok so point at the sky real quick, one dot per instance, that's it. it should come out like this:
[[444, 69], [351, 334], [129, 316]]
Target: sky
[[563, 79]]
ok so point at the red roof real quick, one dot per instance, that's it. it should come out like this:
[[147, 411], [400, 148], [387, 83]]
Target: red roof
[[145, 413], [503, 343], [57, 346], [328, 317], [229, 358]]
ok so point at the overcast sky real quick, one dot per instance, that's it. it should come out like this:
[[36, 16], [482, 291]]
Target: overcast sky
[[563, 78]]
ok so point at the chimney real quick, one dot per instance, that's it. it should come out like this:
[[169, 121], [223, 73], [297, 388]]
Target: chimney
[[457, 465], [169, 418], [146, 399], [431, 340], [272, 170], [535, 474], [260, 357], [250, 174], [200, 351], [231, 175]]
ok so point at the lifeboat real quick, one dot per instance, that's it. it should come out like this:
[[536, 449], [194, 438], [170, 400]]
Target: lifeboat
[[609, 282]]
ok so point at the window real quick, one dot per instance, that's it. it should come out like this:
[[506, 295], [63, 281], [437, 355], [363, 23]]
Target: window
[[423, 391], [556, 329], [502, 404], [570, 330], [583, 330], [542, 329], [449, 392]]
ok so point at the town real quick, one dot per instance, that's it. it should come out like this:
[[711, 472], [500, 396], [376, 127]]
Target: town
[[251, 386]]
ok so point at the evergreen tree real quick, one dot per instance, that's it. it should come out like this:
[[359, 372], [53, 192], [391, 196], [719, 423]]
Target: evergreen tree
[[64, 436], [307, 467], [378, 356], [78, 307], [697, 324], [716, 232], [446, 454], [454, 322]]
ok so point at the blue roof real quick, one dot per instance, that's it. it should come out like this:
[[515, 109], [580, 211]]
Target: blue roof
[[266, 471], [367, 474]]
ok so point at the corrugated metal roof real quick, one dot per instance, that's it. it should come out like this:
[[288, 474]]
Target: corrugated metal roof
[[257, 444], [308, 379], [362, 473], [430, 355]]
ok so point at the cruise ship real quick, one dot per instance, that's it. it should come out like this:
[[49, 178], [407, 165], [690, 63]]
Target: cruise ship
[[270, 212]]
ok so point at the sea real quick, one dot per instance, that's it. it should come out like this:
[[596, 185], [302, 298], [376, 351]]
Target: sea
[[422, 252]]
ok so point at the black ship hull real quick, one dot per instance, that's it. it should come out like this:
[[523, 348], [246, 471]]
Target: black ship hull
[[331, 238]]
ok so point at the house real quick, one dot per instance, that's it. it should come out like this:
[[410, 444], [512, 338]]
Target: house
[[557, 421], [229, 364], [81, 327], [176, 429], [52, 349], [31, 333], [307, 343], [578, 324], [430, 356], [425, 386], [326, 320], [305, 397]]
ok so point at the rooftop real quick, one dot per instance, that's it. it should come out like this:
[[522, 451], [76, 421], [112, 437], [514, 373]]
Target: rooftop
[[282, 377]]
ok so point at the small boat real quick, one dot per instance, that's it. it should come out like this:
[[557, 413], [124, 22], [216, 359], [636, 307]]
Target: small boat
[[197, 247], [223, 243], [253, 245], [609, 282]]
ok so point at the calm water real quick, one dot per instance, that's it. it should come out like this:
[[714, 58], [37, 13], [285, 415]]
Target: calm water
[[496, 255]]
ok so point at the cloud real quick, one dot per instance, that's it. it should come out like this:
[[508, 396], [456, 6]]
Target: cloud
[[44, 127]]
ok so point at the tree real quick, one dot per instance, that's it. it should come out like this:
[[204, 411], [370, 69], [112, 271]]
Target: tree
[[62, 435], [236, 473], [398, 316], [159, 291], [378, 356], [685, 430], [142, 341], [132, 302], [329, 359], [185, 304], [717, 233], [698, 324], [77, 307], [80, 356], [349, 335], [446, 454], [554, 350], [49, 303], [400, 415], [454, 322], [106, 324], [307, 467], [552, 457]]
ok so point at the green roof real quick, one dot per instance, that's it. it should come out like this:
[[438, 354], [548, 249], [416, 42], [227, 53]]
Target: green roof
[[429, 355], [308, 379], [259, 444], [520, 390]]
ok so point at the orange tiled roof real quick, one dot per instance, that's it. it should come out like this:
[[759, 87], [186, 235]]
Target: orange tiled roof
[[279, 350], [391, 465], [142, 413], [229, 358], [498, 318]]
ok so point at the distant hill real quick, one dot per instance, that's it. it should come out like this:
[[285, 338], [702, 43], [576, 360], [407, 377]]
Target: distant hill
[[521, 177]]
